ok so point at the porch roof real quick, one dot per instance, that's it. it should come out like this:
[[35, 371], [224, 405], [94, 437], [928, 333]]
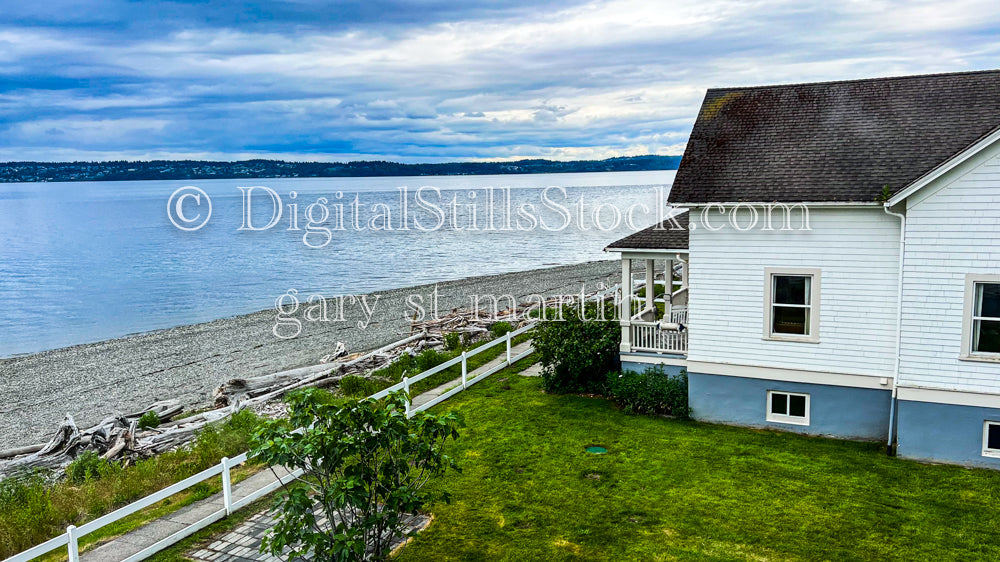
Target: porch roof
[[661, 236]]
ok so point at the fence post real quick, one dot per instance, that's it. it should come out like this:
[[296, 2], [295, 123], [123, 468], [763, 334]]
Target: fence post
[[227, 487], [508, 349], [406, 389], [465, 370], [71, 545]]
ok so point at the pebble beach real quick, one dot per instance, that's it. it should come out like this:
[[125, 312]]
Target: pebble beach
[[94, 380]]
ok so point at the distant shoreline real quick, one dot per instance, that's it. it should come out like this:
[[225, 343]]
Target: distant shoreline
[[45, 172]]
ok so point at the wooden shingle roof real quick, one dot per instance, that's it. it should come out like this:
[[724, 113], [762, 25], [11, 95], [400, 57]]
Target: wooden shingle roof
[[832, 141]]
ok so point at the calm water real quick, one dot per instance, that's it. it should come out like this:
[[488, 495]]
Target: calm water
[[83, 262]]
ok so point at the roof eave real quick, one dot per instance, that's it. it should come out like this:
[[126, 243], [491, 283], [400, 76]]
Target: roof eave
[[648, 250], [787, 203]]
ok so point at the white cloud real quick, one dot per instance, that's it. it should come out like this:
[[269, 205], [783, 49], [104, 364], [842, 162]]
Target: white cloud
[[598, 79]]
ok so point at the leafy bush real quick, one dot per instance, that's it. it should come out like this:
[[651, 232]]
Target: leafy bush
[[231, 438], [355, 386], [404, 365], [429, 358], [242, 424], [25, 505], [452, 341], [408, 365], [85, 467], [499, 329], [577, 353], [149, 420], [365, 465], [651, 392]]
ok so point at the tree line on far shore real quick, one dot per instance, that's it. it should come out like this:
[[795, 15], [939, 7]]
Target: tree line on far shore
[[197, 169]]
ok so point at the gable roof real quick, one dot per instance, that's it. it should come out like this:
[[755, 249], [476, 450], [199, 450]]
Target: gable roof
[[832, 141], [661, 236]]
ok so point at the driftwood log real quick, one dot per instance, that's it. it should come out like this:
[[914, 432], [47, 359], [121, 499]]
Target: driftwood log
[[119, 438]]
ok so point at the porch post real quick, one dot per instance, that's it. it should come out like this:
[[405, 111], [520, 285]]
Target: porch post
[[626, 309], [668, 305], [650, 284]]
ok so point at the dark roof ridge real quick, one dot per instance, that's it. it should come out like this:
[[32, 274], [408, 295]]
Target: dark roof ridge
[[853, 80]]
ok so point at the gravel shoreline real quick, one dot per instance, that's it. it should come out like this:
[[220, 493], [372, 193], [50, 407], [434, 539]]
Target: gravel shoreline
[[92, 381]]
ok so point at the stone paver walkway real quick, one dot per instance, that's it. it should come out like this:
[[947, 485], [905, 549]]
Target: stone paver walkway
[[535, 370], [242, 544]]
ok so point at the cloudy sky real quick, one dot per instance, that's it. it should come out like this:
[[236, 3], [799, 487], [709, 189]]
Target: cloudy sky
[[432, 80]]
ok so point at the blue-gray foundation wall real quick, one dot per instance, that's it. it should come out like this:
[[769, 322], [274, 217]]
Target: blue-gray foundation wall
[[636, 367], [944, 433], [836, 411]]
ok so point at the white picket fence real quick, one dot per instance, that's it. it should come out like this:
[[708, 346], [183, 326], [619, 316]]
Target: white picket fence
[[73, 534]]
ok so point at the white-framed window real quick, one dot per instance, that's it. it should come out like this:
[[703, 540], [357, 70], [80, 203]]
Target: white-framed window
[[787, 407], [981, 321], [791, 304], [991, 439]]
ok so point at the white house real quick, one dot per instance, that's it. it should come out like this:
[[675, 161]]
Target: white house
[[839, 263]]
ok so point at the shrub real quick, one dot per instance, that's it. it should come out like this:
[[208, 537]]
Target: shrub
[[242, 423], [452, 341], [499, 329], [85, 467], [25, 505], [355, 386], [651, 392], [365, 464], [229, 438], [149, 420], [403, 365], [429, 358], [577, 353], [405, 362]]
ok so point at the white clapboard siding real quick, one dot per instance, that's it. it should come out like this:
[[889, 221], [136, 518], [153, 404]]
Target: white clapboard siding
[[950, 232], [856, 250]]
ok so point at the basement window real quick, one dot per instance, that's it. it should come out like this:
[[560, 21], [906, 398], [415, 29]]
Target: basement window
[[991, 439], [787, 407]]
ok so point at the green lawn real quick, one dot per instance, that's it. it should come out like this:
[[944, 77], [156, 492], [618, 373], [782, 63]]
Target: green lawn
[[675, 490]]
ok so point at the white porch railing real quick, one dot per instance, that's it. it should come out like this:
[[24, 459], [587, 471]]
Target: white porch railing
[[70, 538], [648, 336], [679, 314]]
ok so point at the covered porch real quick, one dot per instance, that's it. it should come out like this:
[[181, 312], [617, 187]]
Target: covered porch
[[654, 296], [654, 312]]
